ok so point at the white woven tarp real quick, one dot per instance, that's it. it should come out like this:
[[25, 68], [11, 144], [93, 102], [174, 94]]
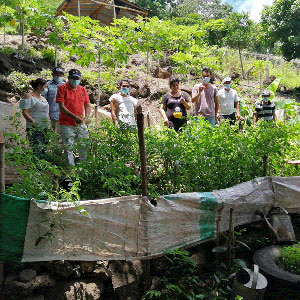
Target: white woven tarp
[[129, 228]]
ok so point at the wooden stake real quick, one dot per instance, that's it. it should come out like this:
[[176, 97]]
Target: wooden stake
[[265, 165], [230, 240], [140, 125], [2, 190]]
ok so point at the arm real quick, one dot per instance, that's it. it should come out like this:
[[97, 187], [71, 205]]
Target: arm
[[87, 110], [64, 110], [186, 104], [274, 116], [197, 96], [238, 113], [27, 116], [217, 115], [162, 110], [114, 109]]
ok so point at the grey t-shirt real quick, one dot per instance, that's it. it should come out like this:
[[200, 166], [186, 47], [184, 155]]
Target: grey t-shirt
[[39, 111]]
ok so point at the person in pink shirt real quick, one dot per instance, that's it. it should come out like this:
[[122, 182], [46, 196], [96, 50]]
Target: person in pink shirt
[[204, 95]]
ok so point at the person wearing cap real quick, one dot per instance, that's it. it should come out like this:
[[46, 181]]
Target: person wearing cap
[[50, 95], [74, 107], [204, 95], [123, 106], [228, 100], [265, 109]]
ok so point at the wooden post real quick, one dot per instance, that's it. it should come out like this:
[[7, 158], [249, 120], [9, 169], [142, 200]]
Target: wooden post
[[140, 125], [55, 61], [23, 33], [230, 240], [79, 12], [2, 190], [4, 34]]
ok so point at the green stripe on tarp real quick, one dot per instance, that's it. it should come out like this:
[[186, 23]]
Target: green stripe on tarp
[[14, 213], [208, 206]]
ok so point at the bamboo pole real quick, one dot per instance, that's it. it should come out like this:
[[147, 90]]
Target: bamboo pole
[[2, 190]]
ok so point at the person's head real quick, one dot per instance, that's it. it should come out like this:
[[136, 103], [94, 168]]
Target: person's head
[[266, 96], [124, 87], [39, 84], [57, 74], [74, 77], [227, 83], [206, 75], [174, 84]]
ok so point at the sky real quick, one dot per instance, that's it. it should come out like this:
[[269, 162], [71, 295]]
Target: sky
[[254, 7]]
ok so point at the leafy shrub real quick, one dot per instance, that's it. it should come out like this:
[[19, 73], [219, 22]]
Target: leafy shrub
[[49, 54], [290, 258], [7, 50]]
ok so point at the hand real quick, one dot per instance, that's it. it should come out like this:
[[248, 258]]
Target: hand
[[78, 120], [166, 122], [182, 100], [201, 88], [218, 117]]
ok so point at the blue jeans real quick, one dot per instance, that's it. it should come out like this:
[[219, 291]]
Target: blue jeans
[[37, 141], [211, 120]]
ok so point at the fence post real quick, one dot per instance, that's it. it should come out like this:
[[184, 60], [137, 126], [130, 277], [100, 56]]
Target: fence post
[[2, 190], [140, 126]]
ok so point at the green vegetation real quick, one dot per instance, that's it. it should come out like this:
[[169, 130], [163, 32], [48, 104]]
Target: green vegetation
[[290, 258], [197, 159]]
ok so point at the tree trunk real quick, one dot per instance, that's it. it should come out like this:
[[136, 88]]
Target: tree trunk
[[4, 35], [242, 66], [22, 23], [79, 11]]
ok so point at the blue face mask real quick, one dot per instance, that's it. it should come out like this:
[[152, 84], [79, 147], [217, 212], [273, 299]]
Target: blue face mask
[[266, 99], [74, 83], [57, 79], [227, 85], [206, 80], [44, 91], [125, 90]]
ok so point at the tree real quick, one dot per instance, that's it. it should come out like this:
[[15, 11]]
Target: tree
[[155, 7], [239, 33], [207, 9], [280, 22]]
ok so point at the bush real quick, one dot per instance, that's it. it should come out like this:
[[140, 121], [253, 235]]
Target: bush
[[49, 54], [290, 258]]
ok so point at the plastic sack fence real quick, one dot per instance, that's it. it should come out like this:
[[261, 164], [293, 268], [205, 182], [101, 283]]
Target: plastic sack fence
[[129, 228]]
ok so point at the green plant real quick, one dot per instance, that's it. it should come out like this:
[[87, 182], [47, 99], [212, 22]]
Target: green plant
[[49, 54], [290, 258]]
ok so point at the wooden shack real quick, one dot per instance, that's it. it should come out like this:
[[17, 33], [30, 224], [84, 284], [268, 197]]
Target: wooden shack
[[103, 10]]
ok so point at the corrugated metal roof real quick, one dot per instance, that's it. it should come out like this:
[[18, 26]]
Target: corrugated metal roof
[[102, 10]]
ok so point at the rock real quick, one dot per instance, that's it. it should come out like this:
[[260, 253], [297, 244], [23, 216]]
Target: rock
[[163, 73], [83, 290], [27, 275], [102, 273], [87, 266], [26, 288], [36, 297], [125, 272], [156, 283], [63, 269], [137, 60]]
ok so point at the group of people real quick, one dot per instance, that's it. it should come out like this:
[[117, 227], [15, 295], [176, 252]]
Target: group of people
[[215, 106], [65, 107]]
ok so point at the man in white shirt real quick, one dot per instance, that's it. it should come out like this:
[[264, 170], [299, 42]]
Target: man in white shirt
[[229, 102], [123, 106]]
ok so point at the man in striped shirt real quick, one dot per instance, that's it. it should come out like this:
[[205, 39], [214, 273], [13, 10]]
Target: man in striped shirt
[[265, 110]]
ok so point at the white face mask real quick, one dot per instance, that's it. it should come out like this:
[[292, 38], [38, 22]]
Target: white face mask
[[74, 83], [227, 85]]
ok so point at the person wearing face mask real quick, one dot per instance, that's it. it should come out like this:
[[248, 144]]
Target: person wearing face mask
[[123, 106], [50, 95], [35, 110], [204, 95], [265, 110], [228, 99], [74, 109]]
